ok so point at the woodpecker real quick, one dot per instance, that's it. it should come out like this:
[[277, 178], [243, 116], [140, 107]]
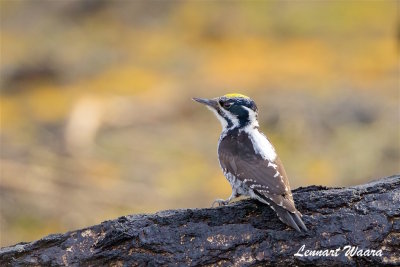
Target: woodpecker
[[249, 160]]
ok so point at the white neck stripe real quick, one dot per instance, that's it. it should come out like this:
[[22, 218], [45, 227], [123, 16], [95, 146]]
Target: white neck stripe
[[253, 122], [232, 118], [261, 145]]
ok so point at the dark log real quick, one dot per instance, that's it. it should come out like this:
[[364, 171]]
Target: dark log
[[242, 234]]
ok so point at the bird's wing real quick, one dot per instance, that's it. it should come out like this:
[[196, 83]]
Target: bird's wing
[[268, 179]]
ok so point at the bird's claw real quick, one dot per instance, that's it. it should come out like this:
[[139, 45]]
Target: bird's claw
[[220, 202]]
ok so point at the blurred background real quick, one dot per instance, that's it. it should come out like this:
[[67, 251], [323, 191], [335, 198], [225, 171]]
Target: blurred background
[[97, 119]]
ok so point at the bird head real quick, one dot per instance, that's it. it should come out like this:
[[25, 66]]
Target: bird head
[[233, 110]]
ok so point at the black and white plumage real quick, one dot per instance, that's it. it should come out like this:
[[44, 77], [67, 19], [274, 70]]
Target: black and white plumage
[[249, 161]]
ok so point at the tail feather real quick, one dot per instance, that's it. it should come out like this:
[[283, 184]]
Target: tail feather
[[299, 221], [292, 219], [287, 217]]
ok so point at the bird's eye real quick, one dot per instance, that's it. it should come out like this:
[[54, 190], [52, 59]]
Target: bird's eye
[[226, 104]]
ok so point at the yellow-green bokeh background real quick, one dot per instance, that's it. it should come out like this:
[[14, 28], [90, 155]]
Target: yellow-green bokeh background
[[96, 113]]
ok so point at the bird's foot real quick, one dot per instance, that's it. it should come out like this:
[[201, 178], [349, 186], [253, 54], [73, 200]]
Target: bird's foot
[[220, 202]]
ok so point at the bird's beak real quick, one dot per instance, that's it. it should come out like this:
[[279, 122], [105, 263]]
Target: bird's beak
[[209, 102]]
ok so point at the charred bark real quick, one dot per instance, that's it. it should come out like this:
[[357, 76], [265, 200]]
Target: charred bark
[[244, 233]]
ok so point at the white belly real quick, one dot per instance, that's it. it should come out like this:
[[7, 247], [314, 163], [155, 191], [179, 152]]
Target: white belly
[[237, 185]]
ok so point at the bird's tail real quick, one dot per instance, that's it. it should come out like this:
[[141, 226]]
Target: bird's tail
[[292, 219]]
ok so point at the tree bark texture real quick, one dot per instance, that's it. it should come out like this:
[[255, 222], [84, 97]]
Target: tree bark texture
[[244, 233]]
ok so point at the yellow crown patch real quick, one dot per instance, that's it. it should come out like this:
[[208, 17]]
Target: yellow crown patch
[[236, 95]]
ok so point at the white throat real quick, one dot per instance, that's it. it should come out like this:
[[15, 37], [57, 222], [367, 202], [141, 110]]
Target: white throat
[[223, 122]]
